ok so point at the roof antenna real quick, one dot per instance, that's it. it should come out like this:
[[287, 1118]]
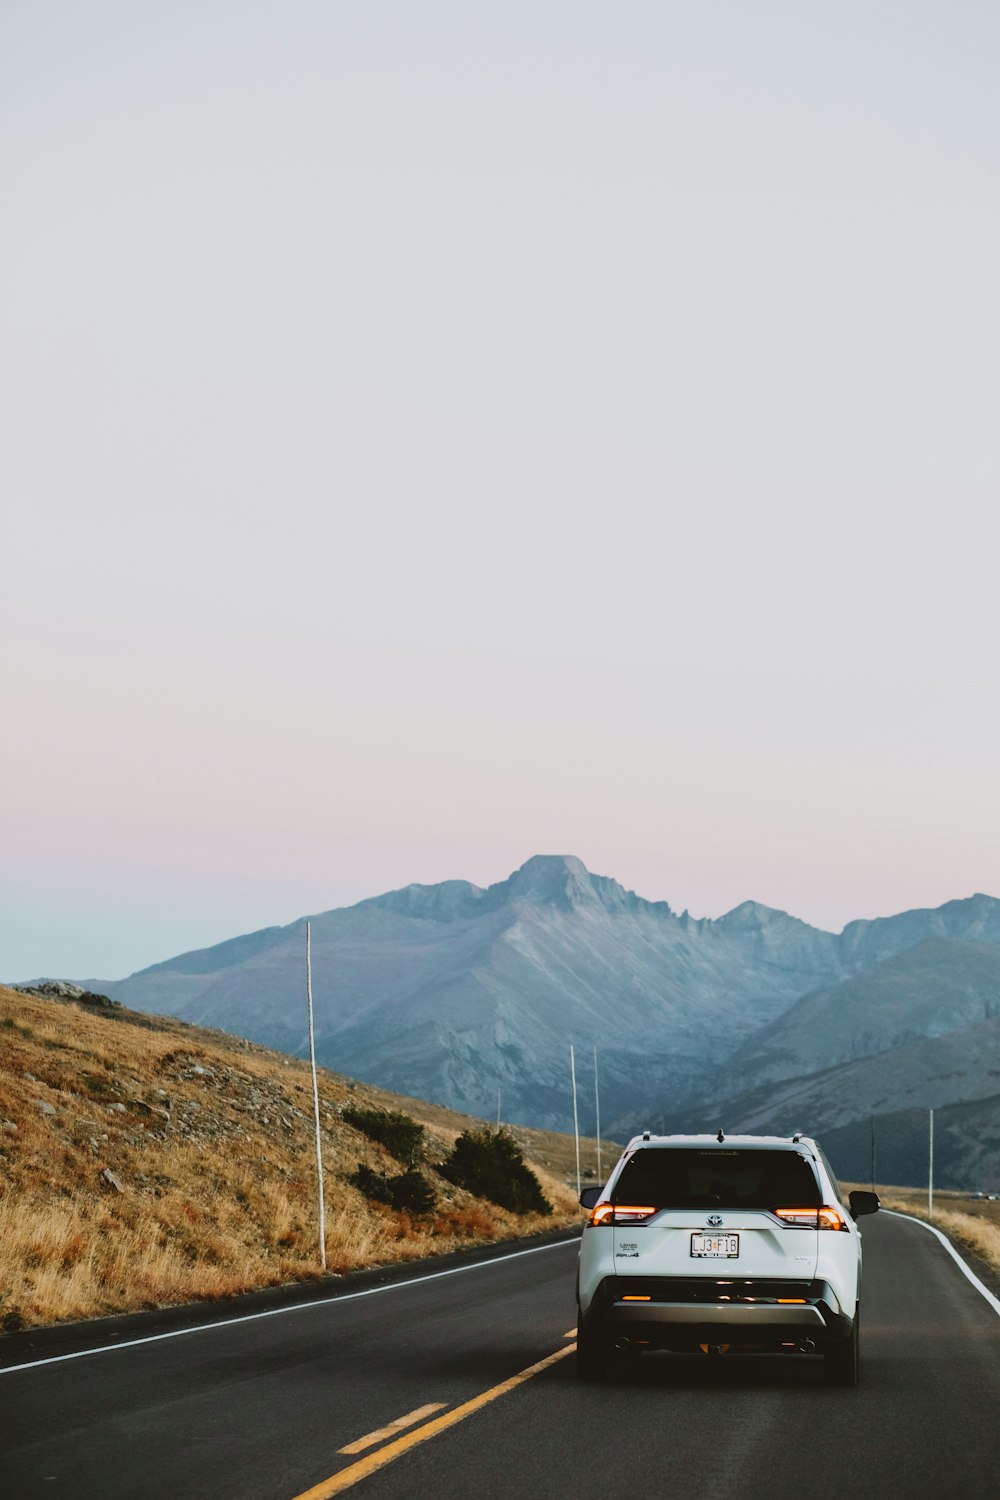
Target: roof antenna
[[645, 1135], [720, 1137], [796, 1138]]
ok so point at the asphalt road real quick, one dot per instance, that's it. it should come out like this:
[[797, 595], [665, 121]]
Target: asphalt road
[[260, 1409]]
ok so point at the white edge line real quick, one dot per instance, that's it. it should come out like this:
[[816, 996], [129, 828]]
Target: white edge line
[[960, 1263], [275, 1312]]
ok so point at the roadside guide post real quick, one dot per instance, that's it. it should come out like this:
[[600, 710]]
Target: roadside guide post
[[312, 1059], [597, 1109], [576, 1118]]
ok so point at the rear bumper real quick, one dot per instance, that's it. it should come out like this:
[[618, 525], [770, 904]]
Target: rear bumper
[[684, 1313], [720, 1314]]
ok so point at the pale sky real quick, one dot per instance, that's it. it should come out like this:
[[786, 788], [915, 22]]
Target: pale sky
[[435, 434]]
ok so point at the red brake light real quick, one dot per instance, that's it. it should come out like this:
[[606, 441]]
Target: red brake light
[[812, 1218], [619, 1213]]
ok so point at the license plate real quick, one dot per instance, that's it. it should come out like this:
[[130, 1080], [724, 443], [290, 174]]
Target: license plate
[[715, 1246]]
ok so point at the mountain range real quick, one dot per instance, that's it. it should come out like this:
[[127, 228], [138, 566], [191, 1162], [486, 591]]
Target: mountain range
[[754, 1019]]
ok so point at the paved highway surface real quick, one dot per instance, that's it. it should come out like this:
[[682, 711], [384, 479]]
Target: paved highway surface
[[263, 1409]]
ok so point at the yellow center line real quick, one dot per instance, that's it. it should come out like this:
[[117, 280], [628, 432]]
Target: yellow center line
[[374, 1461], [391, 1428], [571, 1334]]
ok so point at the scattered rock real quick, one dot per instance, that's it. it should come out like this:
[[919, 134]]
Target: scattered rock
[[62, 989], [112, 1181], [8, 1127], [99, 1002], [45, 1107]]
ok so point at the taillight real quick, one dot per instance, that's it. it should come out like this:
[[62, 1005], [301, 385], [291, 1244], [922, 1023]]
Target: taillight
[[618, 1213], [812, 1218]]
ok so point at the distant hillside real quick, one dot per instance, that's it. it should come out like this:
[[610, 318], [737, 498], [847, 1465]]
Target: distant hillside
[[936, 987], [966, 1147], [924, 1010], [927, 1073]]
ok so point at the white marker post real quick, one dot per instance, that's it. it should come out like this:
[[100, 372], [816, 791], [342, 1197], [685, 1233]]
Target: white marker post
[[597, 1108], [312, 1058], [576, 1119], [930, 1167]]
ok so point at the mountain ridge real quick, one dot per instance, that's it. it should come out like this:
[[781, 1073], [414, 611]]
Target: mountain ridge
[[454, 991]]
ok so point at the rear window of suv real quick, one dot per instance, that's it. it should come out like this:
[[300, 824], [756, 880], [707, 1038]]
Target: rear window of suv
[[663, 1177]]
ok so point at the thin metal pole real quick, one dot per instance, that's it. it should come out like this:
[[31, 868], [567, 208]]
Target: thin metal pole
[[576, 1119], [597, 1110], [312, 1058], [498, 1111], [873, 1153], [930, 1167]]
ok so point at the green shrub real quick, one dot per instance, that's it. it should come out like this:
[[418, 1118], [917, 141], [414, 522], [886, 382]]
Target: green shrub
[[410, 1190], [489, 1163], [402, 1137]]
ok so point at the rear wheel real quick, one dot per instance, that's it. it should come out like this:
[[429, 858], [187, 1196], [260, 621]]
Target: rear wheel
[[594, 1353], [842, 1362]]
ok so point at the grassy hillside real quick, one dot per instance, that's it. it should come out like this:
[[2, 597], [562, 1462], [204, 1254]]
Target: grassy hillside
[[144, 1162]]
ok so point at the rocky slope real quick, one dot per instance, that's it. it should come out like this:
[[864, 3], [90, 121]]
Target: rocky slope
[[938, 986], [925, 1073], [144, 1161]]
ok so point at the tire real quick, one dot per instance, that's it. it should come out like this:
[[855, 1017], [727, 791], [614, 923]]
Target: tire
[[842, 1362], [594, 1354]]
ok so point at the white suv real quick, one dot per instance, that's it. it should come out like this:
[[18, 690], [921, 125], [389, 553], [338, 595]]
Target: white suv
[[718, 1243]]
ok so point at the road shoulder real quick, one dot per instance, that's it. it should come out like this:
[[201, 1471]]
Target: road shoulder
[[63, 1339]]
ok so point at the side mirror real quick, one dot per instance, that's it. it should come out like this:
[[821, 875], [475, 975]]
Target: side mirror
[[863, 1203], [590, 1197]]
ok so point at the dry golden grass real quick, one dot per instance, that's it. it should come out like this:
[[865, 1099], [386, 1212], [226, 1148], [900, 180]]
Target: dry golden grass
[[972, 1222], [145, 1162]]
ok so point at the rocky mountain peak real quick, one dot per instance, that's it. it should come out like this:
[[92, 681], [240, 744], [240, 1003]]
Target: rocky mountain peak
[[559, 880], [752, 914], [547, 877]]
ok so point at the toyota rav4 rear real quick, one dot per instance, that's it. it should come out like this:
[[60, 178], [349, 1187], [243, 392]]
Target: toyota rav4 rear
[[721, 1244]]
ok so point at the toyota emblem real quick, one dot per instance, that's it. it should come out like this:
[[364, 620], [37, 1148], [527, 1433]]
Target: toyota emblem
[[715, 1220]]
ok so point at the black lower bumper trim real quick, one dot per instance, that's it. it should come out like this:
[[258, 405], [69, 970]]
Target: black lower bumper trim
[[685, 1312]]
